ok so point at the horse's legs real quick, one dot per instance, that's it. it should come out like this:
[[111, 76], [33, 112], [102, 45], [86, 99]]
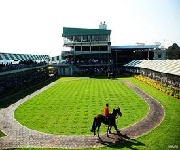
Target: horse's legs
[[115, 126], [94, 132], [94, 126], [98, 130], [107, 131], [110, 129]]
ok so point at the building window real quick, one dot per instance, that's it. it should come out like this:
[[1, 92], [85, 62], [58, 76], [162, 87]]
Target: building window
[[159, 55], [86, 48], [103, 38], [94, 48], [77, 48]]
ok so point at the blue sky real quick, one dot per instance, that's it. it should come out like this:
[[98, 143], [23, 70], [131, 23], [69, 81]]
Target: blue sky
[[35, 26]]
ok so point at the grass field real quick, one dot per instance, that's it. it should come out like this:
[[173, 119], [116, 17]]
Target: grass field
[[68, 108], [166, 135]]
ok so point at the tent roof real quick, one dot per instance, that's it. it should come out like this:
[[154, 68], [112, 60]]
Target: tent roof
[[164, 66]]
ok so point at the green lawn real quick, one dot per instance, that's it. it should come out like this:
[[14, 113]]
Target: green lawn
[[68, 108]]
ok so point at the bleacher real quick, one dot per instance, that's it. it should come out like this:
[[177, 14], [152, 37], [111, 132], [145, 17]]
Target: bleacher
[[21, 70], [10, 61], [162, 74], [163, 66]]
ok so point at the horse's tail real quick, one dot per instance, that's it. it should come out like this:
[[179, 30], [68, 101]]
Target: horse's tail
[[94, 125]]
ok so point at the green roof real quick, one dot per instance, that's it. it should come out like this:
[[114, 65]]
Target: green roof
[[81, 31]]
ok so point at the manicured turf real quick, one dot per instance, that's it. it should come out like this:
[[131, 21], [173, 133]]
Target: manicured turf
[[68, 108]]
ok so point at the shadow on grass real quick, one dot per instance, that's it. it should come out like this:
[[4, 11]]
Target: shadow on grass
[[11, 99], [121, 141]]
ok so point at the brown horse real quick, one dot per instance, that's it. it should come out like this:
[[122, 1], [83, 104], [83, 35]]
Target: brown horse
[[111, 121]]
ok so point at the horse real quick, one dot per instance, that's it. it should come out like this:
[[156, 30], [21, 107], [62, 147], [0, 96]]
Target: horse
[[110, 121]]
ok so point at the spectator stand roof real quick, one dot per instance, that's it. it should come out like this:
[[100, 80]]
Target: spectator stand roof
[[164, 66], [16, 57], [134, 47], [67, 31]]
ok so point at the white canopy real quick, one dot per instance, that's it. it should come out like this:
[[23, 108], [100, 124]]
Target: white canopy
[[164, 66]]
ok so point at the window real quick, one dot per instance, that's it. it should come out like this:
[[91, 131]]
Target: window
[[159, 55], [77, 48], [103, 38], [85, 48]]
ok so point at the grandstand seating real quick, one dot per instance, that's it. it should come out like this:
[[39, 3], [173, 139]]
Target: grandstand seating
[[163, 66], [10, 61], [21, 70], [161, 74]]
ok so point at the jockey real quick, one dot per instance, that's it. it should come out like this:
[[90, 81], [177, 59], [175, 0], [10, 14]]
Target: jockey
[[106, 111]]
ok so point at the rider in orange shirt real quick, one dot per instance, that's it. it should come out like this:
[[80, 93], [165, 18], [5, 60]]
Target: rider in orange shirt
[[106, 112]]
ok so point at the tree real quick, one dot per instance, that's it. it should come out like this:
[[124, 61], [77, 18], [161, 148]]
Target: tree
[[173, 52]]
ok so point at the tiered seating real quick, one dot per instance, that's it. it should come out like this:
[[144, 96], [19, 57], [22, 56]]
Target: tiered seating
[[164, 66], [161, 74], [10, 61]]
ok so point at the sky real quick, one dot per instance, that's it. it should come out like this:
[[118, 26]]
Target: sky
[[36, 26]]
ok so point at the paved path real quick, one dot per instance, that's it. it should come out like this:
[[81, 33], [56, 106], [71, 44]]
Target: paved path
[[19, 136]]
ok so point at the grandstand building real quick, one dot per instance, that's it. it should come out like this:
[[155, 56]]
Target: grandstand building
[[90, 52]]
